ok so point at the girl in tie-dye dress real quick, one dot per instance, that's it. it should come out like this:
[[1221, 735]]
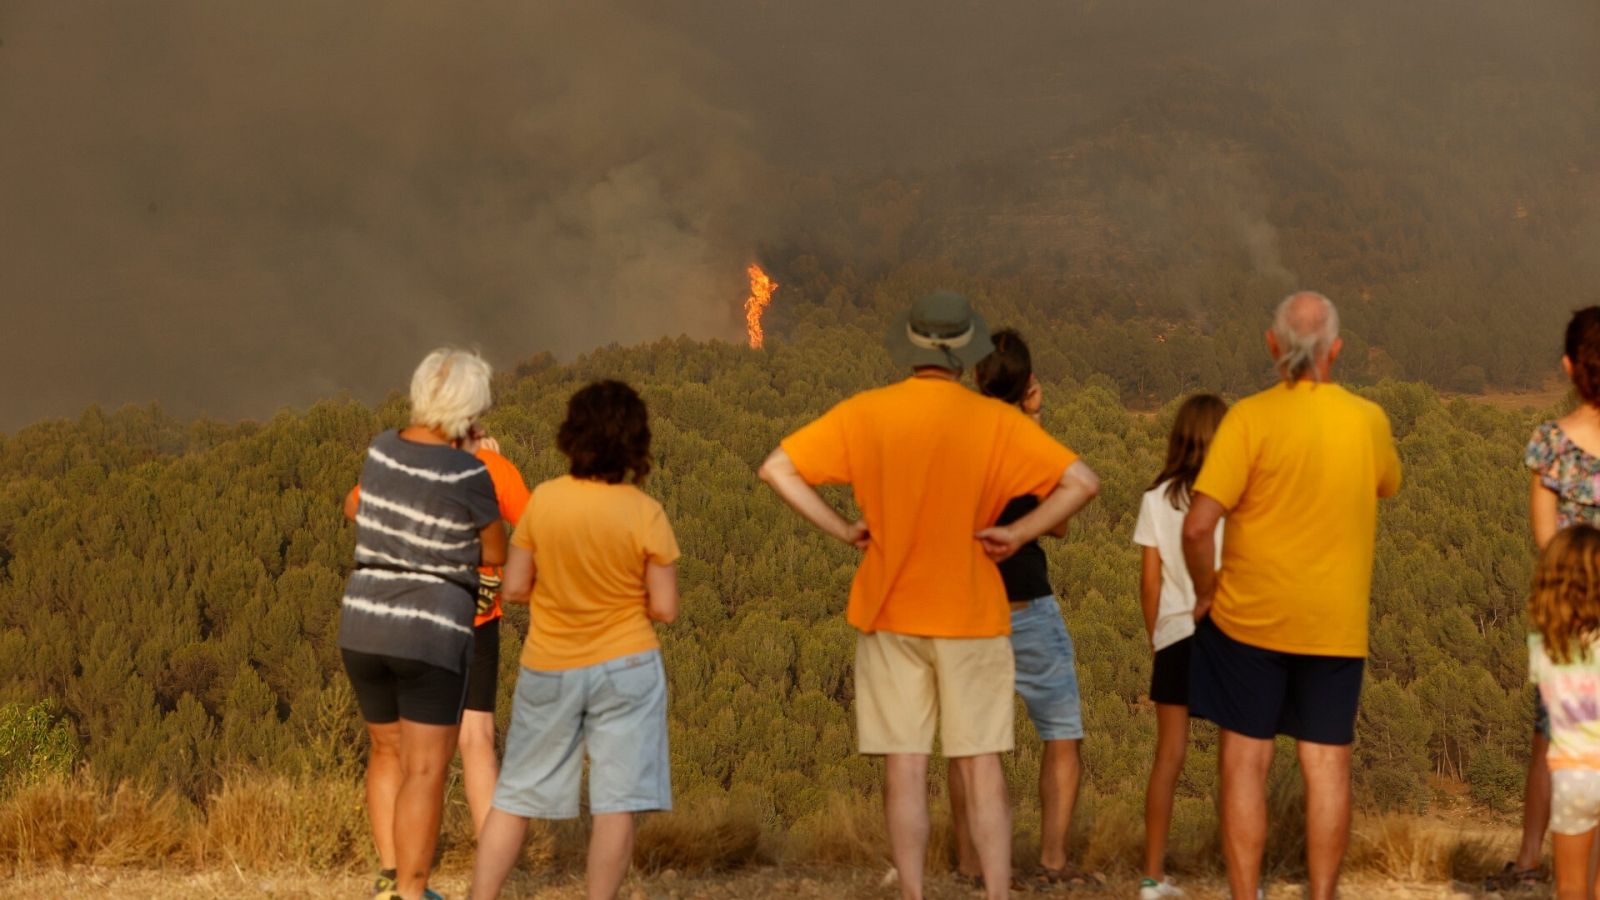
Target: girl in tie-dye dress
[[1564, 661]]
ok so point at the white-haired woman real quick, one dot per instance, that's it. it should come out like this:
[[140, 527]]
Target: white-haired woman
[[426, 518]]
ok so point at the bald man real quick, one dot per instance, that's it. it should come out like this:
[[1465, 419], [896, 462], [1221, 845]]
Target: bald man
[[1281, 638]]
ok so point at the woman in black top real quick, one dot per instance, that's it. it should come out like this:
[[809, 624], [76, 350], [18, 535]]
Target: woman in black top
[[1047, 676]]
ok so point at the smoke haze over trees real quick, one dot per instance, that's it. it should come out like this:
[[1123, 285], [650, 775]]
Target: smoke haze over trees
[[227, 207]]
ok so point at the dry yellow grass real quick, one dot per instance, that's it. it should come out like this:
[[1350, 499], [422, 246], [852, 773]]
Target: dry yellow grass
[[272, 831], [64, 822]]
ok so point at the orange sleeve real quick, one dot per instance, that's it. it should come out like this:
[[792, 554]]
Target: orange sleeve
[[1388, 457], [509, 488], [1034, 461], [660, 544], [820, 450]]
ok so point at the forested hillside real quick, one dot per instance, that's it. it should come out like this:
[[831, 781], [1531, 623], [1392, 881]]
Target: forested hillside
[[169, 590]]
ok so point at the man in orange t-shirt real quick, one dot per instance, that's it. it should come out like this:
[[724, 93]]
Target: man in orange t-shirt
[[932, 464]]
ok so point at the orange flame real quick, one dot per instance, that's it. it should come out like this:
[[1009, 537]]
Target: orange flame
[[761, 288]]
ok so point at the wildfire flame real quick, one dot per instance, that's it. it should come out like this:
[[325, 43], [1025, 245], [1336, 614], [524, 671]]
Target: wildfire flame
[[761, 288]]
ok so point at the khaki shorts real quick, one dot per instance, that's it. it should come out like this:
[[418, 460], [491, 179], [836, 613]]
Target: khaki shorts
[[902, 682]]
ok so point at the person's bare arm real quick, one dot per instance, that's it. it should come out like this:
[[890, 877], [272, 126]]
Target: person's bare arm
[[352, 503], [661, 592], [493, 541], [516, 580], [1078, 485], [1541, 512], [1200, 549], [1150, 589], [779, 472]]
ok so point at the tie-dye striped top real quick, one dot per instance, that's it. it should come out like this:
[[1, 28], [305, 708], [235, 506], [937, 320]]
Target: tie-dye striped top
[[412, 594]]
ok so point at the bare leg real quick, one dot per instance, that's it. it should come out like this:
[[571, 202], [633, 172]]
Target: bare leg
[[905, 805], [1058, 792], [966, 852], [480, 768], [1535, 804], [1326, 769], [1243, 763], [989, 815], [1572, 866], [1172, 742], [498, 847], [383, 786], [425, 752], [610, 853]]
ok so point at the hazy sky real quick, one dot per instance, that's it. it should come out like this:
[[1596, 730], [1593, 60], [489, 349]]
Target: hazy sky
[[231, 205]]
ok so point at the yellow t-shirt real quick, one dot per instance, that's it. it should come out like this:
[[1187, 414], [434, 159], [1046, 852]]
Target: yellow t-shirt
[[930, 462], [590, 542], [1300, 470]]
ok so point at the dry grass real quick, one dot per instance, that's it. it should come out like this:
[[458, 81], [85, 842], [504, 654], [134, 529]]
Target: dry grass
[[63, 822], [273, 824], [258, 821], [711, 835]]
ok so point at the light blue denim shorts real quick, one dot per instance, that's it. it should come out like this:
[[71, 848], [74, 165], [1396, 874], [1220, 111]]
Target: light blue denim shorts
[[1047, 670], [615, 712]]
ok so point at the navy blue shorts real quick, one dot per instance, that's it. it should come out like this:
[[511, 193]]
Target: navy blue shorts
[[1261, 693]]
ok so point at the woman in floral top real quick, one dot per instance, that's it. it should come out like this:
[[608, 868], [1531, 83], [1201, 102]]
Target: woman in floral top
[[1564, 457]]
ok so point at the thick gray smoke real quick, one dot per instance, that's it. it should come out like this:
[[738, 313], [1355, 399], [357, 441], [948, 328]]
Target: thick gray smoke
[[230, 205]]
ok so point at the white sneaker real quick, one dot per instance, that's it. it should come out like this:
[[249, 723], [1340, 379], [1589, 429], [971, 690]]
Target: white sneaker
[[1151, 889]]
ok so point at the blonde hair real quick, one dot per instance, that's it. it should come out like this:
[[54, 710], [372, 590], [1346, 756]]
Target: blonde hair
[[1565, 607], [449, 391]]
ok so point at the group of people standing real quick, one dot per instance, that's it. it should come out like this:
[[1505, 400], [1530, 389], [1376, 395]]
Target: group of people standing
[[1257, 538], [1258, 624]]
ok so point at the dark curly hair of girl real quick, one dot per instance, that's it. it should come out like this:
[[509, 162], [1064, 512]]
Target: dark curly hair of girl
[[1583, 352], [606, 434]]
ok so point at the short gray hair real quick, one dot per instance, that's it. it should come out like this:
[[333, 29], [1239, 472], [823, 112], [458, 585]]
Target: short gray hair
[[449, 391], [1306, 325]]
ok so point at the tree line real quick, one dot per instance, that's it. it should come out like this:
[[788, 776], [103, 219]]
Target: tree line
[[169, 590]]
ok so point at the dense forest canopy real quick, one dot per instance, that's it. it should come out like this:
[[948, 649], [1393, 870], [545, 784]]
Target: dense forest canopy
[[556, 178], [169, 590]]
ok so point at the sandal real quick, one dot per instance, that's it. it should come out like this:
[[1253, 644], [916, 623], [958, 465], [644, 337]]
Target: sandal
[[1512, 877]]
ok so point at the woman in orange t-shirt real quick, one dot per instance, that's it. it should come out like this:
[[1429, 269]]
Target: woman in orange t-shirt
[[595, 559]]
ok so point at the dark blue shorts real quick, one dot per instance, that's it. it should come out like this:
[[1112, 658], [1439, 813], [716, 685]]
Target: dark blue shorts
[[1261, 693]]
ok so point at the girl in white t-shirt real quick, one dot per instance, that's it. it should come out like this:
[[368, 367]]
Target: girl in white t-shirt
[[1167, 596]]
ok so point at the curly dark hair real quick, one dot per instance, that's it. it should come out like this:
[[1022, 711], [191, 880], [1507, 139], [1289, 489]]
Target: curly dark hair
[[606, 434], [1582, 348]]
